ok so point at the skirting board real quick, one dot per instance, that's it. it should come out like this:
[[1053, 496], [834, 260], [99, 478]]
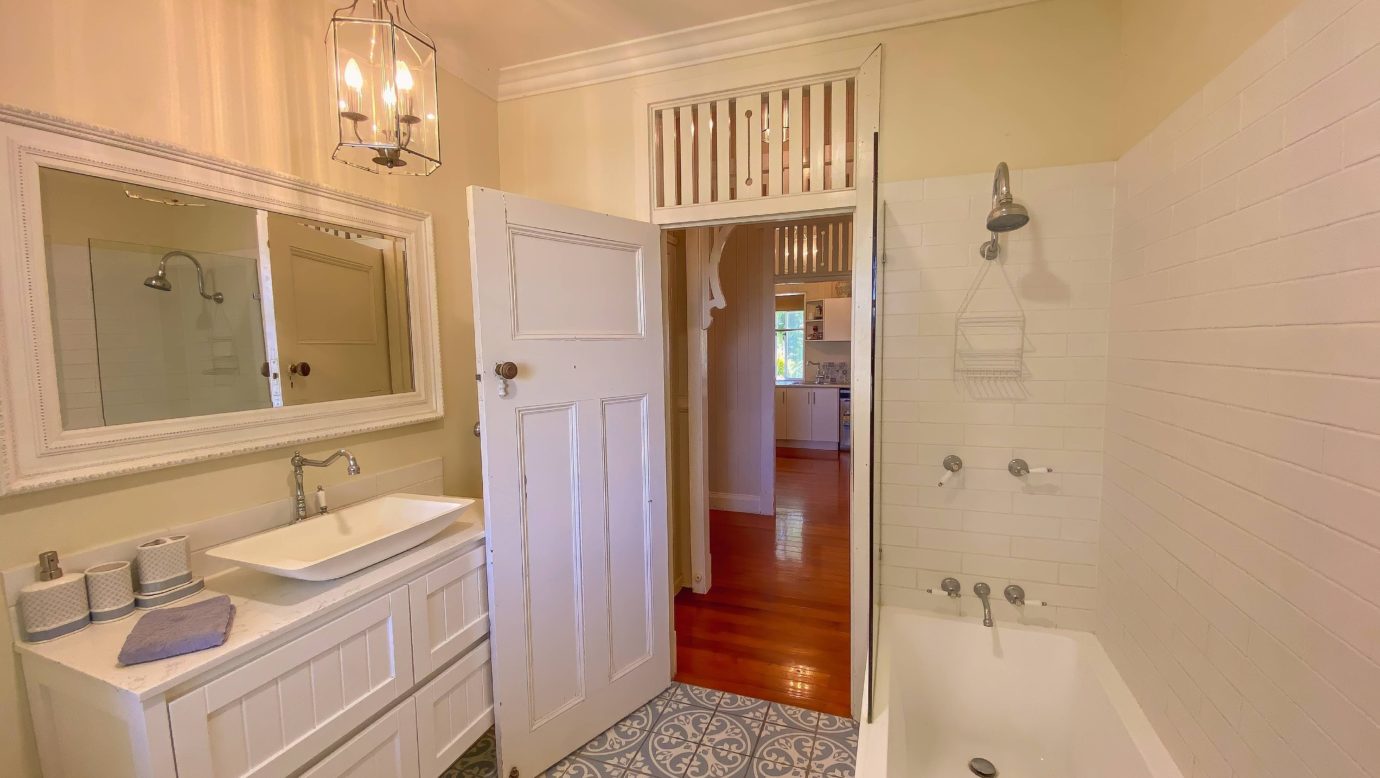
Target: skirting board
[[821, 445], [737, 503]]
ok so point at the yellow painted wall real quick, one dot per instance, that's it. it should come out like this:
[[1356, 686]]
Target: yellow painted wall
[[1170, 48], [1035, 85], [246, 80]]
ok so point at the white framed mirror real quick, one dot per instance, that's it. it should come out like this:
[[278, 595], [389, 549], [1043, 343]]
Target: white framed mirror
[[162, 307]]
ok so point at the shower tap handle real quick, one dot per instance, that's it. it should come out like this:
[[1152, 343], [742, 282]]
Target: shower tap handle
[[952, 464], [1020, 468]]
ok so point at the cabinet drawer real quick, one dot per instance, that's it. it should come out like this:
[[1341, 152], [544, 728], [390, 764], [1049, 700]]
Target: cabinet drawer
[[454, 709], [387, 749], [280, 711], [450, 611]]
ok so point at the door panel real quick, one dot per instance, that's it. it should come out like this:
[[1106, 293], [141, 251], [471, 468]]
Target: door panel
[[331, 313], [574, 451]]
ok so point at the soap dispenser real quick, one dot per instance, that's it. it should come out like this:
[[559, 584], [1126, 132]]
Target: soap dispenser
[[55, 604]]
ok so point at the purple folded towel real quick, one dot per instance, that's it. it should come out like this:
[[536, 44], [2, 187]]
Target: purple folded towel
[[175, 631]]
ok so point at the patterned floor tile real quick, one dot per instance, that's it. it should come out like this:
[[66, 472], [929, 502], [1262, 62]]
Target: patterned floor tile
[[761, 768], [582, 767], [617, 745], [680, 734], [833, 757], [727, 732], [697, 695], [785, 746], [837, 724], [741, 705], [791, 716], [663, 756], [645, 717], [479, 761], [685, 722], [713, 763]]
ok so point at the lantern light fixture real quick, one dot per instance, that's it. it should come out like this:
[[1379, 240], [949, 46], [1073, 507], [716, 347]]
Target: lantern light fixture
[[385, 89]]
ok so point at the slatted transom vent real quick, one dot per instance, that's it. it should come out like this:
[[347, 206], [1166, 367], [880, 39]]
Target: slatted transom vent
[[780, 141], [822, 247]]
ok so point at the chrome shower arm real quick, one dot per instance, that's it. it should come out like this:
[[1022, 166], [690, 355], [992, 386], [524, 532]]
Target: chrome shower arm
[[215, 297]]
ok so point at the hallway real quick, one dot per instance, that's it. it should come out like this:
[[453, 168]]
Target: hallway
[[775, 623]]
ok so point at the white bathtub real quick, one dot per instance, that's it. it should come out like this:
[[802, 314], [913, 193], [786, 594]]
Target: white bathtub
[[1036, 702]]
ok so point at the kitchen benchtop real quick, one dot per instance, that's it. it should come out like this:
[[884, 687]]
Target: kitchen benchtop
[[267, 607], [808, 385]]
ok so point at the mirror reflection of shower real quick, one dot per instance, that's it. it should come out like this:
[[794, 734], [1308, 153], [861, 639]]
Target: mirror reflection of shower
[[1006, 215], [159, 280]]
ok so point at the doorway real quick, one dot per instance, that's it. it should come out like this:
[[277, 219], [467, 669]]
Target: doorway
[[775, 623]]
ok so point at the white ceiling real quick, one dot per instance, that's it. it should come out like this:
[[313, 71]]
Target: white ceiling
[[503, 33]]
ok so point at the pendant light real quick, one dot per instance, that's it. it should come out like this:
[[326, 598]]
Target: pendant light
[[385, 89]]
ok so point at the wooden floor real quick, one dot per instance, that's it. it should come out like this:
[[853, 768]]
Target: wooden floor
[[775, 623]]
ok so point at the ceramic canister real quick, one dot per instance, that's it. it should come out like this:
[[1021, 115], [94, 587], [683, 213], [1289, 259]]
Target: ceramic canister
[[51, 609], [110, 588], [163, 564]]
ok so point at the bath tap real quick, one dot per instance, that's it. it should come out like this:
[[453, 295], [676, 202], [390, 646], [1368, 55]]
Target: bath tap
[[982, 590]]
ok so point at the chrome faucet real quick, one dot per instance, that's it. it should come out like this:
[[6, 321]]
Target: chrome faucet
[[982, 590], [299, 461]]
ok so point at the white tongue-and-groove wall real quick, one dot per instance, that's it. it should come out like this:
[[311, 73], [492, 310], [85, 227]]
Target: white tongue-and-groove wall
[[1239, 577]]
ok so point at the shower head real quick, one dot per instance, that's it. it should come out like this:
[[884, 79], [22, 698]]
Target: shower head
[[1006, 215], [159, 280]]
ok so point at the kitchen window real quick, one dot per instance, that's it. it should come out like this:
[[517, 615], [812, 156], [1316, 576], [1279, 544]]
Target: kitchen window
[[790, 337]]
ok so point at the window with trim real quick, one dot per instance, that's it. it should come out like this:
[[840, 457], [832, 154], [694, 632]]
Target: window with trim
[[790, 337]]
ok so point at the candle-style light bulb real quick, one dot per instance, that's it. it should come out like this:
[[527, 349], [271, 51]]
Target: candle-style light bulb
[[353, 77], [354, 98], [403, 76]]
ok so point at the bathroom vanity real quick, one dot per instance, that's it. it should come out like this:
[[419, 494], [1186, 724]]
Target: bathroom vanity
[[382, 673]]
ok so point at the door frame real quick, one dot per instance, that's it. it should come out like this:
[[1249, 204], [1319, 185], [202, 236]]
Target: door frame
[[703, 295]]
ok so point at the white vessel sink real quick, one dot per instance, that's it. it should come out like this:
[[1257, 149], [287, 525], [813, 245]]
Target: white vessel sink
[[335, 544]]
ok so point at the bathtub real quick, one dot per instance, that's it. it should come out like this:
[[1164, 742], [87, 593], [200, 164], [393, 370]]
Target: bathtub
[[1035, 702]]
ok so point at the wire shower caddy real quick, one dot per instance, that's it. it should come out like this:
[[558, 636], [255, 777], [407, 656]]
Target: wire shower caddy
[[989, 344]]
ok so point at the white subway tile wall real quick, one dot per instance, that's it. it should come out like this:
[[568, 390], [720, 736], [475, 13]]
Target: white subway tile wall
[[1239, 572], [985, 524]]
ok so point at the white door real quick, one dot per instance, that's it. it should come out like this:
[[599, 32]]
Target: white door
[[327, 348], [574, 451]]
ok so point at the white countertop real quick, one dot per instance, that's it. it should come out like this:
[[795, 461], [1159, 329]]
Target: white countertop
[[266, 607], [809, 385]]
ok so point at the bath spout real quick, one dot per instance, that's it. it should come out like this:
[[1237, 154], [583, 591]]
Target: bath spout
[[982, 590]]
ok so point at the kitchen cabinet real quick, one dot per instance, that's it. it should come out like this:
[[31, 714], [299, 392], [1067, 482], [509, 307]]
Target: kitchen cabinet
[[808, 414], [838, 319]]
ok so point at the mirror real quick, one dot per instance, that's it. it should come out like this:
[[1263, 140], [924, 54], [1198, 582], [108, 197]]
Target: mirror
[[159, 306], [166, 305]]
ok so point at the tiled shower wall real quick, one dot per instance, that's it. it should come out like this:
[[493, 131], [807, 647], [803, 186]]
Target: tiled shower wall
[[1239, 576], [985, 524]]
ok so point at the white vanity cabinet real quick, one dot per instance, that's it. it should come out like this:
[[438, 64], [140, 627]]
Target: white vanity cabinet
[[382, 673]]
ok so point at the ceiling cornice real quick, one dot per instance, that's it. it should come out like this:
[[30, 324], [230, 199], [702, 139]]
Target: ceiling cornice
[[770, 30]]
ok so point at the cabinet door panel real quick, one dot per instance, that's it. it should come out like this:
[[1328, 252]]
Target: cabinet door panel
[[450, 611], [387, 749], [838, 318], [798, 414], [454, 709], [276, 713], [780, 413], [824, 415]]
